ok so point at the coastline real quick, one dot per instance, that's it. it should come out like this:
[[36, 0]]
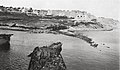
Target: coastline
[[86, 41], [77, 53], [68, 32]]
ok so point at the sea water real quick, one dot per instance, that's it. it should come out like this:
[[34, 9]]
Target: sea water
[[77, 54]]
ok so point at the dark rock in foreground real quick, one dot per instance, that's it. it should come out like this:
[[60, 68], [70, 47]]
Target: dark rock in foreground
[[47, 58], [5, 41]]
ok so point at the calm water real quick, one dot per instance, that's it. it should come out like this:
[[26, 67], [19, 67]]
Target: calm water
[[77, 54]]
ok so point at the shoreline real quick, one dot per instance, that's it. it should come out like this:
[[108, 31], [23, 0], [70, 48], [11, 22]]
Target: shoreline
[[82, 37], [67, 32], [85, 38], [14, 29]]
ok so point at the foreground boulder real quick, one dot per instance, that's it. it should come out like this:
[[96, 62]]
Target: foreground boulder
[[5, 41], [47, 58]]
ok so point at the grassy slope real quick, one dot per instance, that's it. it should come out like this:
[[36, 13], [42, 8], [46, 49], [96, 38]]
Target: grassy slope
[[22, 18]]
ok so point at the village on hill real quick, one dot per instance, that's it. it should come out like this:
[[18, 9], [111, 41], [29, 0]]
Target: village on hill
[[73, 14], [72, 19]]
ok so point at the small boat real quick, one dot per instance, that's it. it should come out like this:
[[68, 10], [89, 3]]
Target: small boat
[[5, 41]]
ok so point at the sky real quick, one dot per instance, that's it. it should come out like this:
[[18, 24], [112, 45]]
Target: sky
[[99, 8]]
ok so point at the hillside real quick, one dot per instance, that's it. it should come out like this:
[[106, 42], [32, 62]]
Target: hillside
[[45, 18], [108, 22]]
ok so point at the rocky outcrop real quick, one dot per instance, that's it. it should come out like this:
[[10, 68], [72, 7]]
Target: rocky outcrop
[[47, 58], [5, 41]]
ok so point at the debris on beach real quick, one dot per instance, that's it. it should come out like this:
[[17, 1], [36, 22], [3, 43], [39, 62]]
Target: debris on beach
[[47, 58]]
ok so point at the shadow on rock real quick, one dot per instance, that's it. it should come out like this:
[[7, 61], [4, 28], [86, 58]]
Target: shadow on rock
[[5, 46], [47, 58], [5, 41]]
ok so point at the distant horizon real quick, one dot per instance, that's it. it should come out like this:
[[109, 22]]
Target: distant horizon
[[98, 8]]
